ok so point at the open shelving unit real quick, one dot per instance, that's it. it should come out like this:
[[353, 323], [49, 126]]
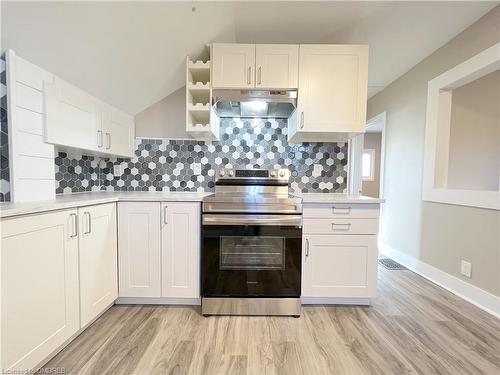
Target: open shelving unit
[[201, 122]]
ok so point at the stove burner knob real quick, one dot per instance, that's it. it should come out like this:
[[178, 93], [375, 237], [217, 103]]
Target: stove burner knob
[[230, 173], [282, 173], [222, 173], [273, 174]]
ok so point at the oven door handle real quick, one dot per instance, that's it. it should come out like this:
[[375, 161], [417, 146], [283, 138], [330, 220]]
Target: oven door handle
[[288, 220]]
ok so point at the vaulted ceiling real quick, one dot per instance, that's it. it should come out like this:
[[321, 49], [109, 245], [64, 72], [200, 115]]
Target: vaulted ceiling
[[132, 54]]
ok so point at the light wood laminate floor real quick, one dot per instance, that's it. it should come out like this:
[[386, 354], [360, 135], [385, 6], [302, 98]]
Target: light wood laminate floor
[[413, 327]]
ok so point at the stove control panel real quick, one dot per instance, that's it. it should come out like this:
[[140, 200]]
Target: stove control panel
[[281, 174]]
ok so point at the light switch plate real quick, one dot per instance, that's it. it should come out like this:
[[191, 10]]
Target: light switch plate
[[197, 169], [466, 268], [318, 168]]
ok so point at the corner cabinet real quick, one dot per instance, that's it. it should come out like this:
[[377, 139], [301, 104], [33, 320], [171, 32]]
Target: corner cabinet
[[332, 95], [58, 275], [40, 297], [159, 252], [339, 253], [77, 120]]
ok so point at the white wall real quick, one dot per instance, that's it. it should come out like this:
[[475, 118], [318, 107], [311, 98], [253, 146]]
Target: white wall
[[429, 232]]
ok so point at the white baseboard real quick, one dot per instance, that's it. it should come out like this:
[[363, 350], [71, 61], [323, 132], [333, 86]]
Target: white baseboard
[[158, 301], [477, 296], [335, 301]]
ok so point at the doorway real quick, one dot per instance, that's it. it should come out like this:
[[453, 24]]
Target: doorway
[[367, 152]]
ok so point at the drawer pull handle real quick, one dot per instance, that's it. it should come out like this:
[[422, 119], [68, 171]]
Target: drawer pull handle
[[341, 210], [74, 225], [307, 247], [341, 227]]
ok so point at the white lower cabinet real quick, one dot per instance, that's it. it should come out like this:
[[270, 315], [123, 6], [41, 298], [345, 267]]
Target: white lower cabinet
[[98, 260], [139, 255], [339, 266], [159, 251], [339, 258], [180, 244], [39, 286]]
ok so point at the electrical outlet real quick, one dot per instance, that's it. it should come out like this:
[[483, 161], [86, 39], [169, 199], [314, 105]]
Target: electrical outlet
[[197, 169], [318, 168], [466, 268], [117, 170]]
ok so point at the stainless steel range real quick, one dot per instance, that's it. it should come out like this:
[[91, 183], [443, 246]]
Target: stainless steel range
[[251, 245]]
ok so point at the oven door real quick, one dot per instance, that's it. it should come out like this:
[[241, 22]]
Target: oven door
[[251, 255]]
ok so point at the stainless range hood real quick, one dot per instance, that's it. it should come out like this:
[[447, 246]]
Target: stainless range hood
[[254, 103]]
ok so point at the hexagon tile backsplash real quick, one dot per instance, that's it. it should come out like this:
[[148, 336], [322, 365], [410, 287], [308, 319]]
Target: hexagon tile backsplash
[[167, 165]]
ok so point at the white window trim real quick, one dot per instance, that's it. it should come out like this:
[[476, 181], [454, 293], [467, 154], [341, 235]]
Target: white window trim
[[370, 151], [437, 132]]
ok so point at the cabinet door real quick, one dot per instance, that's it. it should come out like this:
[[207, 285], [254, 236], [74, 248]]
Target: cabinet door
[[333, 84], [181, 250], [71, 116], [277, 66], [118, 131], [39, 292], [139, 249], [98, 260], [233, 65], [339, 266]]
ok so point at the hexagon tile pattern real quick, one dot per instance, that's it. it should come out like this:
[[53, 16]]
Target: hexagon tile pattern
[[167, 165]]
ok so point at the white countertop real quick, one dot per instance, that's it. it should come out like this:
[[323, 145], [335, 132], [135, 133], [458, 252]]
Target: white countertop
[[337, 198], [64, 201]]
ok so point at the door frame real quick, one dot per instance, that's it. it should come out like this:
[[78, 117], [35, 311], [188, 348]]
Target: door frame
[[355, 155]]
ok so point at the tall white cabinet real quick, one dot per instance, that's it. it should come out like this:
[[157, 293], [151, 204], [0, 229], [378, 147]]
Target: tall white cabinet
[[39, 283], [159, 252], [97, 260], [332, 95]]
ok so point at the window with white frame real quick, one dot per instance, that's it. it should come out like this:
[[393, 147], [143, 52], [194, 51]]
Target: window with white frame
[[368, 165]]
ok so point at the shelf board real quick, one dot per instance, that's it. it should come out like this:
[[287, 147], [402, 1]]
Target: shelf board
[[199, 86], [199, 107], [199, 65]]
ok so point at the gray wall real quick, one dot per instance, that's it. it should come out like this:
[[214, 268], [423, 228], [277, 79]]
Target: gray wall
[[474, 159], [438, 234], [165, 119]]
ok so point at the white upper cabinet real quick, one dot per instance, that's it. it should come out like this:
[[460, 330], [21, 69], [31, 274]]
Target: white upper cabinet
[[75, 119], [332, 95], [72, 117], [276, 66], [266, 66], [117, 132], [181, 249], [98, 260], [233, 65]]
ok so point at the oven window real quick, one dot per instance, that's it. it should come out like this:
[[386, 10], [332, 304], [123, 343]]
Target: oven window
[[252, 253]]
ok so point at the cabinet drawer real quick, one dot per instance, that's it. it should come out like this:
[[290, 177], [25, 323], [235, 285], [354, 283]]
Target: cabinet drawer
[[340, 226], [341, 211]]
